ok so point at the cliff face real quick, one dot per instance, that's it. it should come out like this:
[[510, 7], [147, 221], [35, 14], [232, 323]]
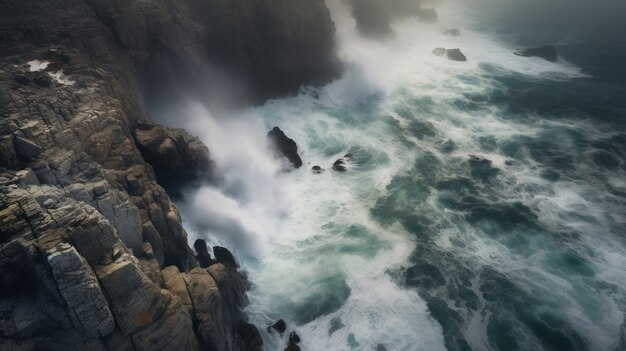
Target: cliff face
[[92, 251]]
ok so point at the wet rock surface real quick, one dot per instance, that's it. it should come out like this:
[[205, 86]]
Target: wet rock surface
[[285, 146], [547, 53]]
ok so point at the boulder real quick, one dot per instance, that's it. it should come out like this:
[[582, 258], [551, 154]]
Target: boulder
[[548, 53], [281, 144], [317, 169], [455, 55], [224, 256], [280, 326], [339, 165], [439, 51], [202, 254]]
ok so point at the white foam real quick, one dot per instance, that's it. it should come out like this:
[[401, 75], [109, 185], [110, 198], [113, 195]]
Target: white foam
[[37, 65]]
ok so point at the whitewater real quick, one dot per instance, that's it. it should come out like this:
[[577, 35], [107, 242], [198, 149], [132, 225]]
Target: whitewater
[[460, 223]]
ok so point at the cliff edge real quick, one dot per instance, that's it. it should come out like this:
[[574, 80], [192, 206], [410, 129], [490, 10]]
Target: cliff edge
[[93, 255]]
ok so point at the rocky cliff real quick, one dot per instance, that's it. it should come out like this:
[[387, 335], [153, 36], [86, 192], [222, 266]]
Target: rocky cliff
[[93, 254]]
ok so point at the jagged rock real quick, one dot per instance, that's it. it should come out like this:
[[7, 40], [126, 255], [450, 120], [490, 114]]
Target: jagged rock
[[452, 32], [455, 55], [335, 324], [428, 15], [317, 169], [202, 254], [177, 157], [280, 326], [439, 51], [282, 144], [294, 338], [224, 256], [79, 287], [548, 53], [339, 165]]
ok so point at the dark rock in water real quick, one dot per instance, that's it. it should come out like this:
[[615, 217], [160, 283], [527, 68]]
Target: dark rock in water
[[439, 51], [280, 326], [352, 341], [381, 347], [294, 338], [348, 155], [248, 337], [452, 32], [202, 254], [428, 15], [292, 347], [455, 55], [286, 146], [546, 52], [339, 165], [317, 169], [335, 324], [508, 162], [224, 256]]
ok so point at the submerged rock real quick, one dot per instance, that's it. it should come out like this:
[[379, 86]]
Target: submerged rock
[[455, 55], [452, 32], [280, 326], [548, 53], [335, 324], [439, 51], [317, 169], [284, 145]]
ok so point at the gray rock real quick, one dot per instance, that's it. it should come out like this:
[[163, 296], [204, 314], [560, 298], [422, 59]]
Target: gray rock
[[26, 148]]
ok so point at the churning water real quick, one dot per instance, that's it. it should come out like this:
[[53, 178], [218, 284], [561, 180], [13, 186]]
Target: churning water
[[484, 206]]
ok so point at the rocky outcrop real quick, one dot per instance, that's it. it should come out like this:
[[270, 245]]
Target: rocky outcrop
[[451, 54], [547, 53], [455, 55], [284, 146], [177, 157], [93, 255]]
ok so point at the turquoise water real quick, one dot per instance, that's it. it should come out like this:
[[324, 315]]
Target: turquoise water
[[484, 207]]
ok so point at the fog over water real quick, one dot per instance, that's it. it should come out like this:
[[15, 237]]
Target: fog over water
[[484, 207]]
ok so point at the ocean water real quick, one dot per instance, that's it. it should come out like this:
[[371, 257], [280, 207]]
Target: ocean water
[[484, 206]]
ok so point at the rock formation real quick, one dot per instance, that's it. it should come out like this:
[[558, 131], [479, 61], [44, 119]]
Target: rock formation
[[545, 52], [285, 146], [93, 255], [177, 157]]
